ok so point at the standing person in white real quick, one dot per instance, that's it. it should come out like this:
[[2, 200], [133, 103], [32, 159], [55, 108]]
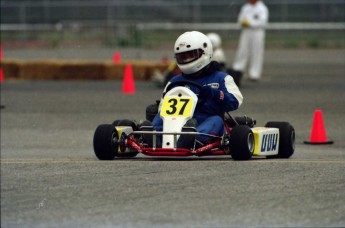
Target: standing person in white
[[253, 18]]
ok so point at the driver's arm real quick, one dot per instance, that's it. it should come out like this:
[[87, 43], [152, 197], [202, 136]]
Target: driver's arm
[[232, 95], [227, 96]]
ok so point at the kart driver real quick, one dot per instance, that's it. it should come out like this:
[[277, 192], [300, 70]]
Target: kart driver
[[193, 53]]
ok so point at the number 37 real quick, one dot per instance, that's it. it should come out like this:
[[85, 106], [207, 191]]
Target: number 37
[[174, 106]]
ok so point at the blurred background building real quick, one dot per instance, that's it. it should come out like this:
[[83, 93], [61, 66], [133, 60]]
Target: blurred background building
[[157, 23]]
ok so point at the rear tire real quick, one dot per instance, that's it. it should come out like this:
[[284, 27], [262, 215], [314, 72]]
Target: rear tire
[[116, 122], [151, 111], [126, 122], [286, 139], [105, 142], [241, 143]]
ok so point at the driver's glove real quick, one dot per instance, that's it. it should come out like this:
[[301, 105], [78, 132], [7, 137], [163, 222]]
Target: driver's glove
[[209, 93]]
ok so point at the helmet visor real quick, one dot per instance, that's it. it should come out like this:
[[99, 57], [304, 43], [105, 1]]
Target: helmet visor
[[188, 56]]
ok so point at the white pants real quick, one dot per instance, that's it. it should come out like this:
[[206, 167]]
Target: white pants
[[250, 48]]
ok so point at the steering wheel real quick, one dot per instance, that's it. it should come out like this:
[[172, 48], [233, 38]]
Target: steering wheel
[[201, 100]]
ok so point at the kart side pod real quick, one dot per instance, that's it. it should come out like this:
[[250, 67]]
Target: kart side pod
[[266, 141]]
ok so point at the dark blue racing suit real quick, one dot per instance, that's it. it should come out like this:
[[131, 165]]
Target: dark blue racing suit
[[209, 116]]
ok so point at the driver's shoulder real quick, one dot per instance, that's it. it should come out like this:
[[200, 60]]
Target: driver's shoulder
[[220, 74], [176, 78], [217, 76]]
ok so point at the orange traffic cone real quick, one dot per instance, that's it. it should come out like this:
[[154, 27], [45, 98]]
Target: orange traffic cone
[[1, 76], [117, 58], [128, 85], [318, 131]]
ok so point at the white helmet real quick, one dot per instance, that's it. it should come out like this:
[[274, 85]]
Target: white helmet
[[193, 51], [215, 39]]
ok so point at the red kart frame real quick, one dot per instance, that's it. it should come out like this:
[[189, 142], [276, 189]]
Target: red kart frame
[[206, 150]]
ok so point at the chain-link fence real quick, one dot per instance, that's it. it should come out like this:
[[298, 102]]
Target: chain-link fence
[[147, 23]]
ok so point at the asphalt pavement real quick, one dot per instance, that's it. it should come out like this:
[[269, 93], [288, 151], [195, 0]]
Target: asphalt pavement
[[50, 176]]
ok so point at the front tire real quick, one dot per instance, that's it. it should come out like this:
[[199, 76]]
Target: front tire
[[286, 139], [105, 142], [241, 143]]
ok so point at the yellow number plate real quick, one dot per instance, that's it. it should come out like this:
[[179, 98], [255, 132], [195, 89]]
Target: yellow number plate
[[175, 106]]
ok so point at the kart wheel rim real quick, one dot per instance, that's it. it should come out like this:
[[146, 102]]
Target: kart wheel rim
[[250, 141], [114, 140], [293, 140]]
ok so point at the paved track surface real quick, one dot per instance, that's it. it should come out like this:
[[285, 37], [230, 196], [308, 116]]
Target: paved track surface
[[51, 178]]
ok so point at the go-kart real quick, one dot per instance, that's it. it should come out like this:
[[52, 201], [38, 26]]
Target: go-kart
[[241, 140]]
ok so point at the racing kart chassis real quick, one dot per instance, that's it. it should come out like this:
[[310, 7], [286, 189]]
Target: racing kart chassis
[[241, 140], [209, 149]]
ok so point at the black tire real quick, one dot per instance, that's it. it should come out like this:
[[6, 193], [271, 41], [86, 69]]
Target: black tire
[[241, 143], [126, 122], [286, 139], [151, 111], [105, 142], [245, 120], [116, 122]]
